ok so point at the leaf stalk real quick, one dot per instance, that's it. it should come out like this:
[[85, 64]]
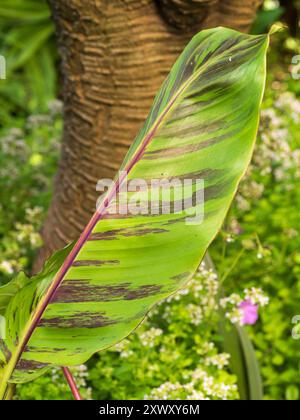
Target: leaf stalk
[[72, 384]]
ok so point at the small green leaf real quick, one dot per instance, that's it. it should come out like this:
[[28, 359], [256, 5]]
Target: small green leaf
[[8, 291], [265, 19]]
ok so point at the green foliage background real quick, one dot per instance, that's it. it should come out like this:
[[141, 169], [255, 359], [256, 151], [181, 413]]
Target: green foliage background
[[27, 43], [178, 352]]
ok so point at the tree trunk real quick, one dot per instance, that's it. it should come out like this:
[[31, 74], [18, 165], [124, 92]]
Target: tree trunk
[[115, 55]]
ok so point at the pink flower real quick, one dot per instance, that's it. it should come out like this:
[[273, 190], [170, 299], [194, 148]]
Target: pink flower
[[250, 312]]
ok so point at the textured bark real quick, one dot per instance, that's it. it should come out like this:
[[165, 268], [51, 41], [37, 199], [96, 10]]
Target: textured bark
[[115, 55]]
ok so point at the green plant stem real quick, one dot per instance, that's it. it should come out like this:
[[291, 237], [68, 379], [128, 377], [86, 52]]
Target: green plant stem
[[6, 391], [10, 392], [3, 389], [232, 267]]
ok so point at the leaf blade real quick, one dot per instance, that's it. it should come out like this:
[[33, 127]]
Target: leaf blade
[[80, 313], [255, 386]]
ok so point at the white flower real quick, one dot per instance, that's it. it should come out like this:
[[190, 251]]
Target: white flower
[[235, 316], [164, 392], [55, 107], [148, 338], [220, 360], [233, 299], [195, 313], [6, 267], [256, 297]]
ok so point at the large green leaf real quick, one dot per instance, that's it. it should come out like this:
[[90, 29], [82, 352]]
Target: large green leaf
[[203, 124]]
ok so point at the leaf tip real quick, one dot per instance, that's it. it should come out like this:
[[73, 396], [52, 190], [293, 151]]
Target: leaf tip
[[277, 27]]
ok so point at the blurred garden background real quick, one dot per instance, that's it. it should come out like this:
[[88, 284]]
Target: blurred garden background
[[178, 352]]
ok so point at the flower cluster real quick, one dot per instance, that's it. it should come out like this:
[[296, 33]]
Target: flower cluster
[[24, 237], [219, 360], [275, 154], [288, 103], [28, 159], [243, 310], [205, 288], [13, 148], [124, 349], [256, 297], [196, 314], [200, 386], [149, 337]]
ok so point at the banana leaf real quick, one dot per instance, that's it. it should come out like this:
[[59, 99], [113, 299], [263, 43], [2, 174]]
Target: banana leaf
[[203, 125]]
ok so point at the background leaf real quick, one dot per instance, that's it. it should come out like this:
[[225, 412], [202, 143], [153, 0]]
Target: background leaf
[[26, 33], [243, 362], [265, 19], [8, 291]]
